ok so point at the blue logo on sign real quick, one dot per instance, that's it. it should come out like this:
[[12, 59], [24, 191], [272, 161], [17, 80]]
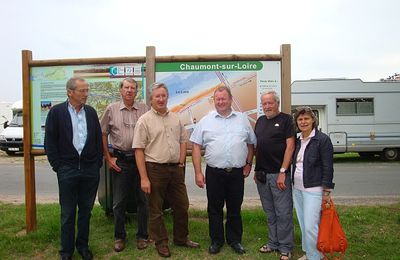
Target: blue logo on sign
[[114, 71]]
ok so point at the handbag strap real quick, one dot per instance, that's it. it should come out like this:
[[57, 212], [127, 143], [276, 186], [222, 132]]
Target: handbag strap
[[328, 205]]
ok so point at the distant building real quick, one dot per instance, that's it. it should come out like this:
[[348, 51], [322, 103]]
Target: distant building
[[394, 77], [5, 114]]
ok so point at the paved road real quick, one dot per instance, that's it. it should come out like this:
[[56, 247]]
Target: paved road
[[355, 180]]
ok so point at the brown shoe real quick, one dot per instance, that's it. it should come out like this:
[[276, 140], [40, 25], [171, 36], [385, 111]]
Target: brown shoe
[[189, 244], [142, 243], [119, 245], [163, 250]]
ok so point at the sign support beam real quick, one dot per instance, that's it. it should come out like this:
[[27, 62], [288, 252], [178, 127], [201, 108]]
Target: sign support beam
[[29, 159]]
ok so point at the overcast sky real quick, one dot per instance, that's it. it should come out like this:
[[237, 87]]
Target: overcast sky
[[329, 39]]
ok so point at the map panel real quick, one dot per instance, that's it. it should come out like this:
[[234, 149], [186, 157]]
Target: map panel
[[48, 88]]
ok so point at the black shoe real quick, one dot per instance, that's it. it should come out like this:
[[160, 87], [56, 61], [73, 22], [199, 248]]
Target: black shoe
[[86, 254], [65, 257], [214, 248], [238, 248]]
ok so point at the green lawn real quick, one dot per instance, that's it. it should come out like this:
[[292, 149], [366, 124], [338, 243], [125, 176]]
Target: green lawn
[[373, 232]]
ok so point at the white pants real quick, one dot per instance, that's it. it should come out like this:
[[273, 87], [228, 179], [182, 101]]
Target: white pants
[[308, 210]]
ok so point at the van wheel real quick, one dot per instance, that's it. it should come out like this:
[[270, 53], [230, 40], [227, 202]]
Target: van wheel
[[390, 154], [10, 153]]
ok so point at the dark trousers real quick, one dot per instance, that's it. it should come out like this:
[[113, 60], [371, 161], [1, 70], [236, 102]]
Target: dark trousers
[[225, 187], [167, 183], [124, 183], [77, 188]]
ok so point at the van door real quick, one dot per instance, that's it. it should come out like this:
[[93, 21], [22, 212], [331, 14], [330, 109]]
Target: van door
[[339, 141]]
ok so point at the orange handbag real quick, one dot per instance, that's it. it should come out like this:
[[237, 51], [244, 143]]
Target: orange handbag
[[331, 237]]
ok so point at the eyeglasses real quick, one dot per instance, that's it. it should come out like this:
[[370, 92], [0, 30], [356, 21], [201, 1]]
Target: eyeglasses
[[132, 125], [83, 90], [127, 117]]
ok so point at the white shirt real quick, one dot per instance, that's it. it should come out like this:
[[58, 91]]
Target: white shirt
[[225, 139], [298, 174], [79, 128]]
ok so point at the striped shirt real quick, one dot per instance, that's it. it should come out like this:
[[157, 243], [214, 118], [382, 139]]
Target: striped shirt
[[119, 122]]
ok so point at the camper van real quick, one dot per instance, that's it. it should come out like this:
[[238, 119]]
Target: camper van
[[358, 116], [11, 138]]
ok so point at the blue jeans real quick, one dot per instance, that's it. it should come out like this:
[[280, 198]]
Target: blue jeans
[[77, 188], [308, 210], [124, 183]]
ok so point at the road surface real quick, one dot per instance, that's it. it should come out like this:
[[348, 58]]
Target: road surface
[[356, 183]]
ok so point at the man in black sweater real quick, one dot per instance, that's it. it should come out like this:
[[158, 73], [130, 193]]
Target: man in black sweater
[[74, 149]]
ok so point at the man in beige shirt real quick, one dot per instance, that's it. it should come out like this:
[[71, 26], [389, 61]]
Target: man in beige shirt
[[160, 150], [118, 124]]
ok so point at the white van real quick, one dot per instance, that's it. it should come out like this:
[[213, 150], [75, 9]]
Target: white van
[[358, 116], [11, 138]]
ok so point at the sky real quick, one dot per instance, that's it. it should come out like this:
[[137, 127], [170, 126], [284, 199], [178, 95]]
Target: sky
[[328, 38]]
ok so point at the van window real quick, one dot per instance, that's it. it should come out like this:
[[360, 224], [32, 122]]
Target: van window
[[354, 106], [17, 120]]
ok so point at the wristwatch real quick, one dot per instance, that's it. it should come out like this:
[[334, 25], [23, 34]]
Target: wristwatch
[[181, 165], [249, 163], [282, 170]]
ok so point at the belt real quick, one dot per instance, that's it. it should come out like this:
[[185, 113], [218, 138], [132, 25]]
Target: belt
[[164, 164], [268, 172], [127, 155], [228, 169]]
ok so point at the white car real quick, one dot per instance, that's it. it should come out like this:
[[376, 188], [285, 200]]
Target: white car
[[11, 139]]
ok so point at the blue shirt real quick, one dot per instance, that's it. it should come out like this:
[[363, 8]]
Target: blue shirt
[[79, 127], [224, 139]]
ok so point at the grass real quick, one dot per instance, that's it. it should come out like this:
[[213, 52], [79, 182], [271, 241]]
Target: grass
[[372, 232], [356, 158]]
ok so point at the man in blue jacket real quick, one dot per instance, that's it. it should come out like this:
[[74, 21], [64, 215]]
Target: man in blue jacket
[[74, 149]]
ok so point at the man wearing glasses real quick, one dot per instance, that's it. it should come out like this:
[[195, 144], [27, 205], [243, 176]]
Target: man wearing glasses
[[74, 149], [118, 124]]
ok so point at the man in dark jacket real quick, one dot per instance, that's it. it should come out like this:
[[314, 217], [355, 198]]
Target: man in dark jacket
[[74, 149]]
